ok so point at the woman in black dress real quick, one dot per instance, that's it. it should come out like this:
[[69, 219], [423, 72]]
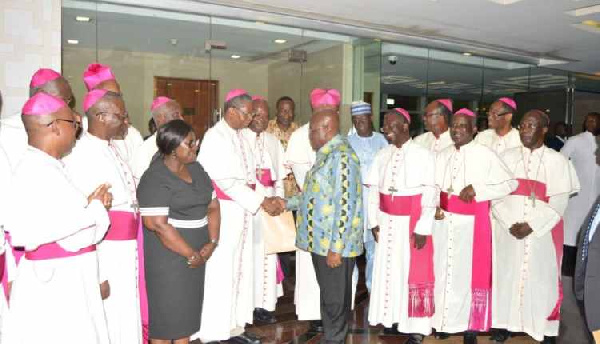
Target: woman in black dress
[[181, 217]]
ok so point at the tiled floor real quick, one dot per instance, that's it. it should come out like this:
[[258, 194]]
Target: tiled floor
[[290, 330]]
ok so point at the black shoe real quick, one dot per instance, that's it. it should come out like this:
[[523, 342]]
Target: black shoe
[[415, 338], [246, 338], [391, 331], [316, 326], [549, 340], [263, 316], [499, 335], [470, 338], [441, 335]]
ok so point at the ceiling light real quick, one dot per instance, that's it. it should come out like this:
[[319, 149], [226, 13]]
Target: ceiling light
[[82, 19], [390, 101], [235, 57], [584, 11], [505, 2], [467, 54], [173, 41], [280, 41], [72, 41]]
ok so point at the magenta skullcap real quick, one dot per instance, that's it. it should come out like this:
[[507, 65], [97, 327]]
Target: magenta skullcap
[[510, 102], [159, 101], [42, 76], [235, 93], [42, 104], [404, 113], [95, 74], [465, 112], [257, 98], [447, 103], [92, 98], [320, 97]]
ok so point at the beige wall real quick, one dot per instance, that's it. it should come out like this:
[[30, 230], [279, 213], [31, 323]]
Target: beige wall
[[136, 71], [329, 68], [29, 39]]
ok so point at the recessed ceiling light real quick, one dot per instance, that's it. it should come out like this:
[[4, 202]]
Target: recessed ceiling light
[[173, 41], [82, 19], [467, 54], [235, 57], [505, 2], [584, 11], [72, 41], [390, 101], [280, 41]]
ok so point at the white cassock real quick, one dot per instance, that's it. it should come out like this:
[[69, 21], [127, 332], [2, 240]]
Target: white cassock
[[581, 149], [475, 165], [527, 272], [300, 157], [54, 300], [229, 284], [499, 144], [13, 138], [91, 163], [268, 156], [405, 171], [143, 156], [435, 145]]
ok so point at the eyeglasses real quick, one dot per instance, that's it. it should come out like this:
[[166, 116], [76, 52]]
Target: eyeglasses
[[251, 114], [123, 117], [491, 114], [76, 125]]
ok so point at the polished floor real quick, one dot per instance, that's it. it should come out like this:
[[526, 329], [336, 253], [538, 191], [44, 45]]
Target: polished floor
[[289, 330]]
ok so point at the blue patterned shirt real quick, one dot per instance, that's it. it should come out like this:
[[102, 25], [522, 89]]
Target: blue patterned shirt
[[330, 210]]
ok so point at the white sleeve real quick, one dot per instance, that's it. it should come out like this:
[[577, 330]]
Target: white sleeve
[[547, 215], [241, 193], [429, 198]]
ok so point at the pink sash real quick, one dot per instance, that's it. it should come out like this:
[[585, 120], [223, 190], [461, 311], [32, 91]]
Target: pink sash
[[54, 251], [222, 196], [279, 272], [264, 177], [126, 225], [480, 318], [421, 277], [558, 237]]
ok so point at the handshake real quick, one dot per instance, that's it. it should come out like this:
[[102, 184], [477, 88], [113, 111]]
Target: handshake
[[273, 205]]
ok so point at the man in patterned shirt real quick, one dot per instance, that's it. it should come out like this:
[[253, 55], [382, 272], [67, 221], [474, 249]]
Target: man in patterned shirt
[[330, 219]]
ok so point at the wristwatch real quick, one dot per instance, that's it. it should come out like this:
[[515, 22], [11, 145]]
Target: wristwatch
[[191, 259], [214, 241]]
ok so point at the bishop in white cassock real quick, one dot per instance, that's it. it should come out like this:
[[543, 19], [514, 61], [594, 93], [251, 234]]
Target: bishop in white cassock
[[501, 135], [95, 160], [267, 153], [55, 297], [228, 159], [469, 175], [436, 117], [402, 204], [528, 234], [163, 110]]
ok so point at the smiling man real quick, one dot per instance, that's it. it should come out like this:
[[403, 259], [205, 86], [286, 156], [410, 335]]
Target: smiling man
[[528, 235], [501, 135], [469, 176]]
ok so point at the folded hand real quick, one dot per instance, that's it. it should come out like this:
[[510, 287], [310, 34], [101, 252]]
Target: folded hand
[[273, 205]]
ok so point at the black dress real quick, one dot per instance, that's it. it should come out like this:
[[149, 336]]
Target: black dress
[[175, 292]]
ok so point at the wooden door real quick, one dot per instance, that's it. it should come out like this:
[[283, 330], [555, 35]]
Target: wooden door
[[198, 99]]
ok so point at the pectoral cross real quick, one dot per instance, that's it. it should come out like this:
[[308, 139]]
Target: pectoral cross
[[392, 189], [532, 198], [450, 189], [259, 173], [135, 206]]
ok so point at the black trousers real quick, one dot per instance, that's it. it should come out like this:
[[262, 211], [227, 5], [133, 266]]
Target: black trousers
[[336, 297]]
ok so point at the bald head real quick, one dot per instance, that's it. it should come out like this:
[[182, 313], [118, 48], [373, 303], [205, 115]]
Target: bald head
[[324, 125], [59, 88]]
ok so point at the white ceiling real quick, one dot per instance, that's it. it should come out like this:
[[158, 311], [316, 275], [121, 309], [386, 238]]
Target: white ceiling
[[536, 28]]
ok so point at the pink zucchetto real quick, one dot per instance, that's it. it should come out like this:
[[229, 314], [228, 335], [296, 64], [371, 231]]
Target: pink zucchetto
[[92, 98], [95, 74], [510, 102], [258, 98], [42, 76], [447, 103], [42, 104], [235, 93], [158, 102], [403, 112], [465, 112], [320, 97]]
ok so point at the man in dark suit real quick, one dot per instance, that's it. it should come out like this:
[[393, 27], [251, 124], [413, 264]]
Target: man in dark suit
[[587, 268]]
